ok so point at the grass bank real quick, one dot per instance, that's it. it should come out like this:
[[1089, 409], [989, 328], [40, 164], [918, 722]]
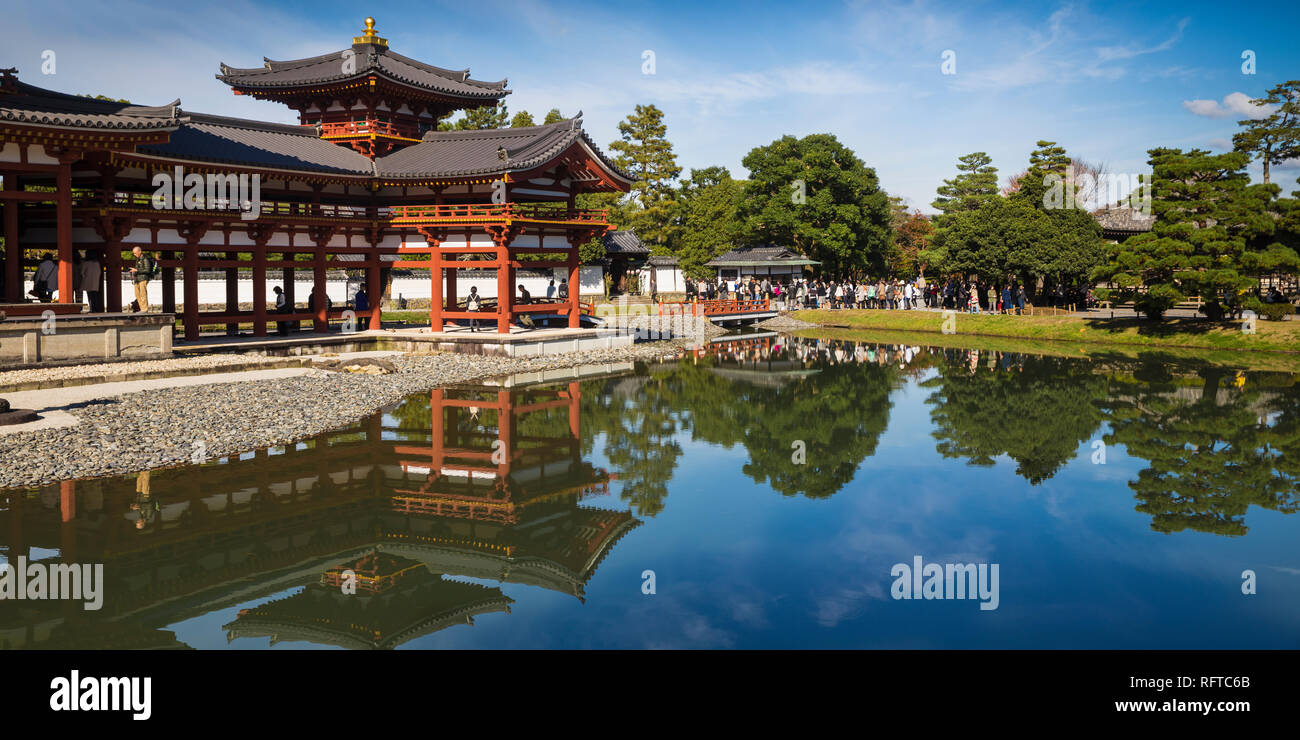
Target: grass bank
[[1172, 334]]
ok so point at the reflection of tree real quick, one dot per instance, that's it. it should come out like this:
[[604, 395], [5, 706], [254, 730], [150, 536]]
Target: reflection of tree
[[1213, 450], [1036, 410], [639, 442], [838, 413]]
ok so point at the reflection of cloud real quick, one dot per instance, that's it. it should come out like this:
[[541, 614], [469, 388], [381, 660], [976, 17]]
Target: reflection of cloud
[[1236, 103], [846, 603]]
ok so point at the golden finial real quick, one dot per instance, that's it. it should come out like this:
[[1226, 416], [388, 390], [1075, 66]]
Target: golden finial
[[369, 36]]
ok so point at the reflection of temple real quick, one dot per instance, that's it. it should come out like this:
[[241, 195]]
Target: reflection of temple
[[419, 485]]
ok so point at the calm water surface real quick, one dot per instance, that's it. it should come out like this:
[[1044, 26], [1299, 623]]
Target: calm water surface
[[769, 484]]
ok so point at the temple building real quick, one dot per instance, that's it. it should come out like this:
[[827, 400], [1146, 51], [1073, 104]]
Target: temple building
[[364, 182]]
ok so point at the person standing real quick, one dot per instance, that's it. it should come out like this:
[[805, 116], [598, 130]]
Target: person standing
[[141, 273], [550, 291], [281, 307], [1020, 299], [564, 289], [92, 282], [473, 304], [47, 274]]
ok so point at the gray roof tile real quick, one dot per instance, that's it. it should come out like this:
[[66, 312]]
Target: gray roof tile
[[369, 58], [38, 106]]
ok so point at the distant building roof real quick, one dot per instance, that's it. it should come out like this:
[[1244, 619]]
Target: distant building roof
[[624, 242], [767, 255], [1117, 220]]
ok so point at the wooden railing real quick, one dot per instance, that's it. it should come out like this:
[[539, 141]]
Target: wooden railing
[[362, 128], [398, 215], [497, 212]]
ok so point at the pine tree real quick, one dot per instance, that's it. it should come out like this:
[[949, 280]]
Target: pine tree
[[553, 116], [977, 180], [644, 152], [490, 116], [1205, 213], [1275, 138], [522, 119]]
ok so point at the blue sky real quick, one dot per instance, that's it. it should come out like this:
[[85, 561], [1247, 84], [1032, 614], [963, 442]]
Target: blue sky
[[1106, 80]]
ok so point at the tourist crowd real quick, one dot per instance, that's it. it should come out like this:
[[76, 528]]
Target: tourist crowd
[[892, 293]]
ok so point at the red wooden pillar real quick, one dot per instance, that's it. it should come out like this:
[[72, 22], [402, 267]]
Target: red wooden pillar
[[63, 229], [320, 317], [372, 292], [451, 285], [190, 290], [259, 290], [113, 277], [575, 310], [13, 252], [288, 284], [169, 284], [505, 287], [232, 293], [435, 284]]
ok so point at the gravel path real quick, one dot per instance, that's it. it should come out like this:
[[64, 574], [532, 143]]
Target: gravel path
[[17, 377], [159, 428]]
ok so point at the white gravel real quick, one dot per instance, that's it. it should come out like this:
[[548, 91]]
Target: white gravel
[[160, 427]]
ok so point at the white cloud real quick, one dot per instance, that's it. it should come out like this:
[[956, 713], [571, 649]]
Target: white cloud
[[1234, 104]]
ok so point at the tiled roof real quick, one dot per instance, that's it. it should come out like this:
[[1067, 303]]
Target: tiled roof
[[475, 152], [237, 141], [368, 59], [1123, 219], [758, 255], [623, 242], [38, 106]]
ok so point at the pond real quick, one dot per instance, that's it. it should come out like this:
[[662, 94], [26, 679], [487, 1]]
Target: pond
[[764, 491]]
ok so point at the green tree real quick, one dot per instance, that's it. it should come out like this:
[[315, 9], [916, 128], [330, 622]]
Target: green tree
[[489, 116], [709, 227], [1275, 138], [522, 119], [553, 116], [1205, 213], [976, 181], [1048, 166], [816, 196], [644, 152]]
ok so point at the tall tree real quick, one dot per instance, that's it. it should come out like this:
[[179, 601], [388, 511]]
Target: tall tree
[[1205, 213], [708, 225], [644, 152], [976, 181], [1275, 138], [553, 116], [815, 195], [1049, 167], [522, 119]]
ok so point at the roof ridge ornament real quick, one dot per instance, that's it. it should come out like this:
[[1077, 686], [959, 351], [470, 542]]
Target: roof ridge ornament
[[369, 36]]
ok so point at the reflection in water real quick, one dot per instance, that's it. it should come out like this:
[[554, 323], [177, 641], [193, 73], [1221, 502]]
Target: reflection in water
[[435, 506], [468, 482]]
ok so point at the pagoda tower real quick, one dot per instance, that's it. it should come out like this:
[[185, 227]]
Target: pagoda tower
[[366, 96]]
